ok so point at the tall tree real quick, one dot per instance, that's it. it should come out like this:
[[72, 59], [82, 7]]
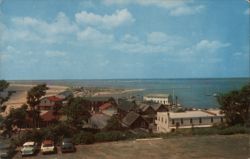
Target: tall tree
[[17, 116], [3, 86], [235, 105], [33, 100], [76, 111]]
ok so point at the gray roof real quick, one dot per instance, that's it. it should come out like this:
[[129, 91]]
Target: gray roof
[[156, 106], [143, 107], [66, 94], [99, 120], [130, 118], [126, 105], [98, 99]]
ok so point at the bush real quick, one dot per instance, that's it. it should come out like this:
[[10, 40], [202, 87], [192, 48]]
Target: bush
[[31, 135], [204, 131], [84, 138], [110, 136], [237, 129]]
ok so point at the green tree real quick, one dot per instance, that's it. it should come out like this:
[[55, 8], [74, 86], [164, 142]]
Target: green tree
[[18, 115], [3, 86], [33, 100], [113, 124], [235, 105], [76, 111]]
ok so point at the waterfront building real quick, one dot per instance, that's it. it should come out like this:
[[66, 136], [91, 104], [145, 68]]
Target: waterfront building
[[158, 98], [169, 121]]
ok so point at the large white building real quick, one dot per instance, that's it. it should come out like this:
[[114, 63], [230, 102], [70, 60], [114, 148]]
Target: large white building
[[158, 98], [169, 121]]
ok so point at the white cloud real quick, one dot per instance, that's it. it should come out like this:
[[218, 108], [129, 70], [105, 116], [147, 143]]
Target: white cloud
[[159, 3], [247, 11], [120, 17], [54, 53], [211, 45], [91, 35], [127, 38], [86, 4], [32, 29], [156, 37], [176, 7], [186, 10]]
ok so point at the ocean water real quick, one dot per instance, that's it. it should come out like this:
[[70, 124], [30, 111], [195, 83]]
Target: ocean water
[[198, 93]]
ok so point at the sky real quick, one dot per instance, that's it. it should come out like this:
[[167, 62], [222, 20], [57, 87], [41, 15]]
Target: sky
[[123, 39]]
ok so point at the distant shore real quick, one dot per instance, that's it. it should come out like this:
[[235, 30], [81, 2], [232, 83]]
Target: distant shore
[[18, 98]]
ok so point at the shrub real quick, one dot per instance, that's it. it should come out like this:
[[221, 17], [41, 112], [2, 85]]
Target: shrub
[[110, 136], [237, 129], [31, 135], [84, 138]]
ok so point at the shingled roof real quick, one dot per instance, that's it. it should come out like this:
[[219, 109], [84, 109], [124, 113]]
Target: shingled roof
[[126, 105], [130, 118]]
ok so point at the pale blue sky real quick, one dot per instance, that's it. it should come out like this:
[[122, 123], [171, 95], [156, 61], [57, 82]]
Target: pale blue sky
[[107, 39]]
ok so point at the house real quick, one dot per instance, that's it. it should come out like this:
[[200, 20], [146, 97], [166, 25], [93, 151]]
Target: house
[[96, 102], [133, 120], [158, 98], [159, 107], [65, 95], [47, 118], [50, 103], [169, 121], [125, 106], [99, 120], [108, 109]]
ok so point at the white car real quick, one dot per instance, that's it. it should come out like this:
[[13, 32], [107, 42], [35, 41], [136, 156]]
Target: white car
[[48, 146], [29, 148]]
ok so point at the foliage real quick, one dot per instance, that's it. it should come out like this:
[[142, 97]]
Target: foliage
[[236, 129], [110, 136], [33, 99], [3, 86], [58, 131], [235, 105], [15, 117], [76, 111], [113, 124], [84, 138], [30, 135]]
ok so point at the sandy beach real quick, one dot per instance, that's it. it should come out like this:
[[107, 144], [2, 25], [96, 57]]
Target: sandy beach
[[19, 98]]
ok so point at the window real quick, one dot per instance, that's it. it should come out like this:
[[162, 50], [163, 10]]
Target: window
[[162, 119], [181, 121], [191, 121], [221, 119], [173, 121], [200, 120], [212, 120]]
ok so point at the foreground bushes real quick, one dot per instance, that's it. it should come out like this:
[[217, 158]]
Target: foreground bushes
[[237, 129], [111, 136], [84, 138], [56, 133]]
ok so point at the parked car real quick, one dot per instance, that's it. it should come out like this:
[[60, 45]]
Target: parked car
[[67, 145], [48, 146], [6, 149], [29, 148]]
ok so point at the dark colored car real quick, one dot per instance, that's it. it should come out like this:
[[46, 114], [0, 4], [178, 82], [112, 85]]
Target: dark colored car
[[67, 145], [6, 149]]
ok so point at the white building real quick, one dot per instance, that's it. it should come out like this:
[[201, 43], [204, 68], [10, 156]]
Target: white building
[[169, 121], [158, 98]]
